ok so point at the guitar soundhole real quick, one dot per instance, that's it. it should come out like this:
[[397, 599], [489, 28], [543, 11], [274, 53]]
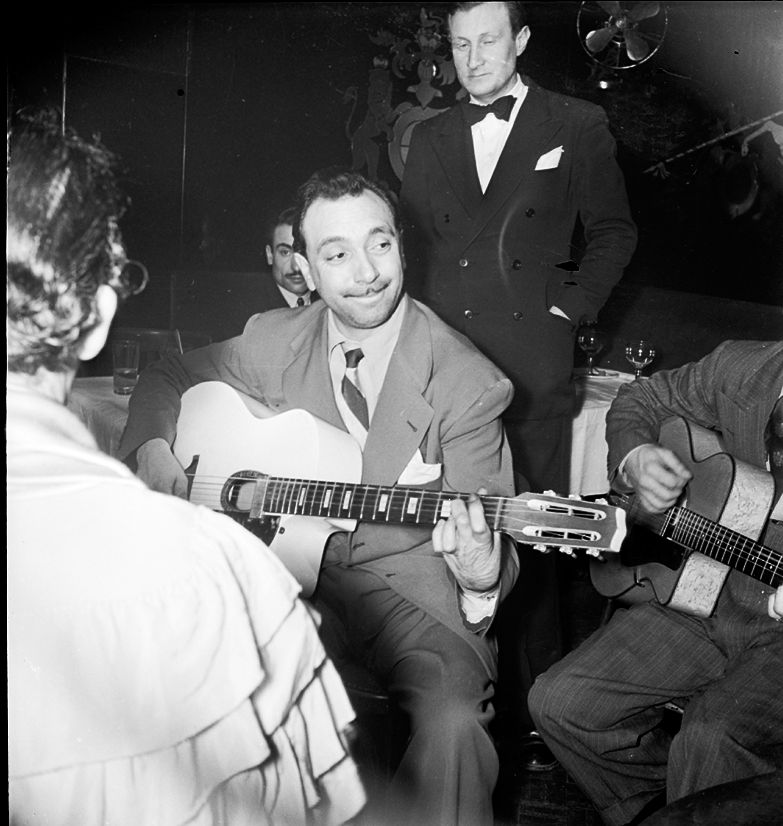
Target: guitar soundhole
[[237, 494], [236, 499]]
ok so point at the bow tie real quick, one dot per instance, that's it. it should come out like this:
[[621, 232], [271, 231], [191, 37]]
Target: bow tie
[[500, 108]]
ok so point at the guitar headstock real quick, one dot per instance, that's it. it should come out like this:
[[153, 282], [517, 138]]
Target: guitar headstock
[[568, 524]]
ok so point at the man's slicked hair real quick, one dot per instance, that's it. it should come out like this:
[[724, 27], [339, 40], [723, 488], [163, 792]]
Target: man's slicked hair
[[517, 14]]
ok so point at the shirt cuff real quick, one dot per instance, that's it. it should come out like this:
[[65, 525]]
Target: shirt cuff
[[620, 476], [478, 605]]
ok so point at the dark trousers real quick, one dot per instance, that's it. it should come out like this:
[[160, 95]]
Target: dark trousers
[[449, 767], [529, 626], [600, 708]]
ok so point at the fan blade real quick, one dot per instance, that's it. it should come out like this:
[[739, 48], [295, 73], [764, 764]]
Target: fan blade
[[611, 7], [598, 39], [641, 11], [636, 46]]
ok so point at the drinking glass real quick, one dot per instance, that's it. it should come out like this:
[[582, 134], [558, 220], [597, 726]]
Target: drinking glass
[[125, 355], [591, 341], [639, 353]]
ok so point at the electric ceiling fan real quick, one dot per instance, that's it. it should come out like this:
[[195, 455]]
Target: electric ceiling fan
[[621, 35]]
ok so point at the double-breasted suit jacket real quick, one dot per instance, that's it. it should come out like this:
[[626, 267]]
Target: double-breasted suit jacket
[[493, 264], [440, 396]]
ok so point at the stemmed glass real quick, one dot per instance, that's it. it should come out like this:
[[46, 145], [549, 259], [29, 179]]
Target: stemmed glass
[[639, 353], [591, 341]]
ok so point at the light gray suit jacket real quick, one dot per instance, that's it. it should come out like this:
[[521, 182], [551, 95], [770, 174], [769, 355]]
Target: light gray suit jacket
[[440, 395]]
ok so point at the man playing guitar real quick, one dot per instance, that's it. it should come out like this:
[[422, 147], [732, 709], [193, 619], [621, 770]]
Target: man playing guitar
[[600, 709]]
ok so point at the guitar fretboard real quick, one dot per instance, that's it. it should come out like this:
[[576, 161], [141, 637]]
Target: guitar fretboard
[[364, 503], [697, 533]]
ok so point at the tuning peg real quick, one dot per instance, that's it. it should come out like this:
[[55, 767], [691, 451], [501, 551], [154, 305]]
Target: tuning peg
[[544, 548], [565, 549], [594, 552]]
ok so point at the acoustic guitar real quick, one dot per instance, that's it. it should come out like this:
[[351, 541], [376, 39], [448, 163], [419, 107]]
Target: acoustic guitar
[[681, 558], [293, 480]]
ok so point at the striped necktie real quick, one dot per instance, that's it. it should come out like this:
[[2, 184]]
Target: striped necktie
[[356, 402]]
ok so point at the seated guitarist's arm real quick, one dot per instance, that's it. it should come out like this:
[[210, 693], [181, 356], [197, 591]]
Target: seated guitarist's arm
[[155, 402]]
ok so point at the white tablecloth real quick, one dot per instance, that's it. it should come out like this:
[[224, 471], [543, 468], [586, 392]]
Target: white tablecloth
[[594, 395], [104, 413]]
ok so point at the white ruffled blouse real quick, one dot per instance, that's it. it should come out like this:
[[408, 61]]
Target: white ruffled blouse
[[161, 669]]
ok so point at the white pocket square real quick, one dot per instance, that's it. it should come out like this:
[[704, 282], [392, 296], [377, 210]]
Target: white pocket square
[[418, 472], [550, 160]]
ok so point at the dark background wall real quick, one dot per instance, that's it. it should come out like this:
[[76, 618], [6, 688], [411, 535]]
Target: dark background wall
[[219, 110]]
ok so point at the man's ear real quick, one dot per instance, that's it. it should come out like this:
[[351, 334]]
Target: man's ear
[[106, 304], [269, 256], [523, 35], [304, 268]]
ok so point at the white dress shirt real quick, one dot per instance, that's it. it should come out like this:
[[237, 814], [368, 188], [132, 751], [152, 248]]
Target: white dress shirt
[[491, 133]]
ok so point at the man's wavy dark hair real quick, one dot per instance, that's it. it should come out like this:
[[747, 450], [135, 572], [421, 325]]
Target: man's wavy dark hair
[[332, 183], [62, 240]]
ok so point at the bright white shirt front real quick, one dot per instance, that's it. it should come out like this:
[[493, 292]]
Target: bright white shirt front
[[491, 133]]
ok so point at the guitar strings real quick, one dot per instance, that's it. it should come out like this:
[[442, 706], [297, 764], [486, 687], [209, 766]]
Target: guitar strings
[[703, 533], [309, 495]]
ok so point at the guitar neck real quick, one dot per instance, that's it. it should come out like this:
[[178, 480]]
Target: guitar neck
[[537, 519], [697, 533]]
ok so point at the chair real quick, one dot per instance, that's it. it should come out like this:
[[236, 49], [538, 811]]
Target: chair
[[379, 735]]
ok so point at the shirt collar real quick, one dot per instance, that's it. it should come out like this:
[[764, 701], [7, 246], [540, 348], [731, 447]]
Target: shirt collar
[[290, 298], [519, 90], [381, 341]]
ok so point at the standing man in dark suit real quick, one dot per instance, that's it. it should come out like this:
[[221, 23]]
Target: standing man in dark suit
[[288, 287], [411, 604], [518, 221], [600, 708]]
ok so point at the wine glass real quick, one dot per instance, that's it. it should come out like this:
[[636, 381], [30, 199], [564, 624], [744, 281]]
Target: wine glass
[[639, 353], [591, 341]]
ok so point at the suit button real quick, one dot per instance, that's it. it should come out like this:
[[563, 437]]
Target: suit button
[[517, 315], [530, 212], [463, 262], [469, 314], [516, 264]]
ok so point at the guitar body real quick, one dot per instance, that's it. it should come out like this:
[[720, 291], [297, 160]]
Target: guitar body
[[723, 489], [222, 435]]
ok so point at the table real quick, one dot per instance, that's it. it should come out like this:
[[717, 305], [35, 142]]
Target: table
[[104, 413]]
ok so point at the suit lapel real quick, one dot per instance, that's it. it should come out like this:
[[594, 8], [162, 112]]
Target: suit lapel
[[402, 415], [306, 381], [458, 162]]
